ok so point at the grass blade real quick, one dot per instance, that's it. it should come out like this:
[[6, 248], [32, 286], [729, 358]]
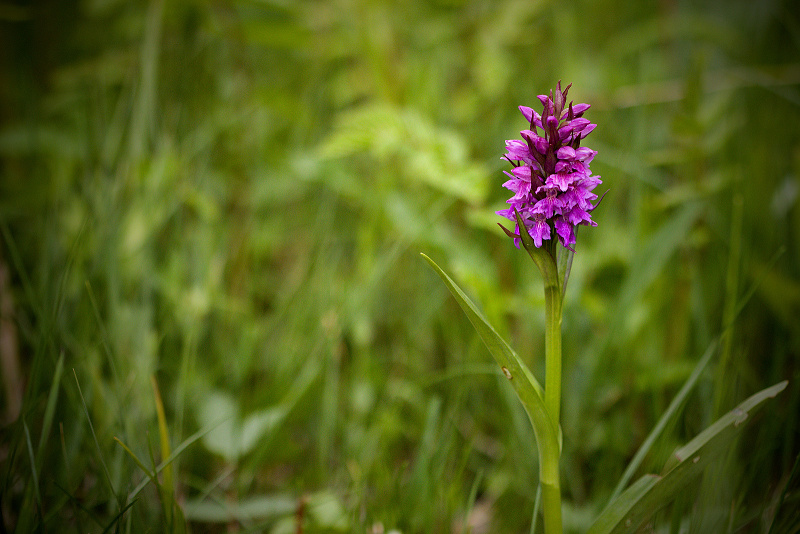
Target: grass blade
[[34, 474], [117, 517], [52, 397], [786, 519], [672, 410], [537, 502], [175, 453], [650, 493], [616, 514], [136, 459], [97, 443], [645, 269], [473, 495], [163, 434]]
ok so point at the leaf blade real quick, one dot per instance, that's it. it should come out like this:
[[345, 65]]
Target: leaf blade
[[526, 386], [634, 507], [673, 408]]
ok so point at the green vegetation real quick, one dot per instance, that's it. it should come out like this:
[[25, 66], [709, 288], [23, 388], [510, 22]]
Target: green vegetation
[[214, 315]]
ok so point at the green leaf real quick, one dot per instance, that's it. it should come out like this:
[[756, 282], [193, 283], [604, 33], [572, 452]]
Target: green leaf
[[501, 350], [528, 389], [234, 436], [151, 475], [163, 432], [167, 461], [94, 437], [616, 514], [651, 492], [672, 410], [786, 517], [645, 268], [52, 399], [253, 508], [412, 143]]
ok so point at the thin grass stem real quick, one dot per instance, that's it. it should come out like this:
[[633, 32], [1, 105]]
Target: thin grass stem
[[668, 415], [34, 473], [96, 442]]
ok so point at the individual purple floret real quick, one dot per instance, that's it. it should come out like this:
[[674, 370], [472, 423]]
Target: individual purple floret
[[551, 179]]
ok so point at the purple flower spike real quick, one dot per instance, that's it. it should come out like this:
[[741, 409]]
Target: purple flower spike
[[551, 179]]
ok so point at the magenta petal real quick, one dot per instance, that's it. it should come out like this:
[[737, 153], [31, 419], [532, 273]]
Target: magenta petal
[[588, 183], [566, 152], [560, 180], [571, 126], [504, 213], [518, 151], [561, 165], [540, 231], [565, 231], [523, 172], [539, 143], [580, 108], [548, 206], [587, 130], [576, 215], [528, 113]]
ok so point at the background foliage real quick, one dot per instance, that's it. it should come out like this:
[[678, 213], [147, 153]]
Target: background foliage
[[231, 197]]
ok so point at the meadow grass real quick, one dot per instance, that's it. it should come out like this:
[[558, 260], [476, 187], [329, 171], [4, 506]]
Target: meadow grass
[[216, 317]]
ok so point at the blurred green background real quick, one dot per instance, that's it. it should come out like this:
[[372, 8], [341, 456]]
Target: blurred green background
[[231, 197]]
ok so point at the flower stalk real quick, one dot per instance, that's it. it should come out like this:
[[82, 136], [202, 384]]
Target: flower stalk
[[545, 259], [552, 350], [551, 491]]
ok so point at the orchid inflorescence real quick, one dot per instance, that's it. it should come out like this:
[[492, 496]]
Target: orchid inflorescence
[[551, 179]]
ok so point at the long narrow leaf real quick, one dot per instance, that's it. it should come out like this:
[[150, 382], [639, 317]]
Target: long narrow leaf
[[643, 499], [52, 397], [163, 434], [175, 453], [528, 390], [136, 459], [616, 515], [787, 509], [34, 474], [673, 408], [501, 350], [96, 443], [113, 522]]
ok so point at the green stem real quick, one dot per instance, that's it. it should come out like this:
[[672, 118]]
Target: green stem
[[549, 460], [549, 456], [552, 351], [551, 491], [545, 259], [551, 508]]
